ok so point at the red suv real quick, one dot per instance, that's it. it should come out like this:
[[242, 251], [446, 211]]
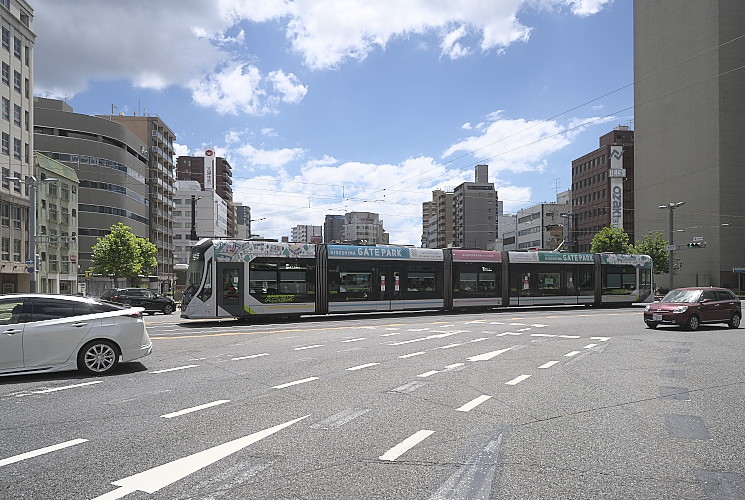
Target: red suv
[[690, 307]]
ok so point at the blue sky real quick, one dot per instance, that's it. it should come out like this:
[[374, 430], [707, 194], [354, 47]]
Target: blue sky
[[328, 106]]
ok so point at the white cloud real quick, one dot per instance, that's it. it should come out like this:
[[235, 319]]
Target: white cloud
[[288, 85], [202, 45], [273, 158], [181, 149], [450, 45], [466, 126]]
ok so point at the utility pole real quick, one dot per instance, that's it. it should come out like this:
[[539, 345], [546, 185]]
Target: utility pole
[[671, 245]]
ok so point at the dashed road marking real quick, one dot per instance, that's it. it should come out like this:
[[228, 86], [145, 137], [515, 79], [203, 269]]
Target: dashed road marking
[[473, 403], [195, 408], [360, 367], [290, 384], [517, 380], [548, 365], [406, 445], [40, 451]]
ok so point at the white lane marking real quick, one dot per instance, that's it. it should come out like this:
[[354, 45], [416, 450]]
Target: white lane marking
[[473, 403], [488, 355], [570, 354], [509, 333], [290, 384], [517, 380], [354, 340], [40, 451], [542, 335], [539, 326], [428, 374], [476, 321], [251, 356], [394, 328], [524, 329], [417, 329], [548, 365], [449, 346], [161, 476], [46, 391], [496, 323], [428, 337], [308, 347], [367, 327], [412, 355], [480, 339], [453, 366], [360, 367], [175, 369], [195, 408], [517, 324], [601, 339], [569, 336], [589, 346], [390, 334], [406, 445]]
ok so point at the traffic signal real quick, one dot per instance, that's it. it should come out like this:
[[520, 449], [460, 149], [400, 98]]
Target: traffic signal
[[697, 244]]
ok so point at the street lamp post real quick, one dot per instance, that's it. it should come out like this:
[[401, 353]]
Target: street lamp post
[[572, 233], [32, 184], [671, 245]]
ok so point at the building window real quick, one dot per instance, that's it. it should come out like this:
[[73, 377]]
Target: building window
[[6, 74], [16, 210], [17, 47], [17, 81], [17, 148], [6, 38], [27, 88], [17, 250], [6, 109], [16, 114], [6, 249], [27, 55], [52, 211], [5, 212], [25, 119]]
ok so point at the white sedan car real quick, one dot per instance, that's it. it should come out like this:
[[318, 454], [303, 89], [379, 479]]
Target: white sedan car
[[48, 333]]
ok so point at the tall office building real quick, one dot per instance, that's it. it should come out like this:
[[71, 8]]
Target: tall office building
[[242, 221], [364, 227], [158, 137], [111, 163], [475, 212], [306, 233], [213, 173], [333, 228], [437, 220], [690, 120], [210, 217], [603, 189], [16, 57]]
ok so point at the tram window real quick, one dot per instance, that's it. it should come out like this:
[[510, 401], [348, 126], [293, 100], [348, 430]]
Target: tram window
[[570, 288], [619, 280], [263, 282], [586, 282], [468, 282], [292, 281], [549, 284], [230, 291], [351, 282], [421, 282], [206, 292]]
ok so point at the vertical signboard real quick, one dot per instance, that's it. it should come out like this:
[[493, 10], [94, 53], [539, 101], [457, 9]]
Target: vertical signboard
[[616, 174], [209, 170]]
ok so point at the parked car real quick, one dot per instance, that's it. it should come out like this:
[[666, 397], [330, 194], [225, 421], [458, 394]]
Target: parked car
[[48, 333], [690, 307], [140, 297]]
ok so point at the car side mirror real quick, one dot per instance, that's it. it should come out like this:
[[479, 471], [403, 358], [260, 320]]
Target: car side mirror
[[704, 301]]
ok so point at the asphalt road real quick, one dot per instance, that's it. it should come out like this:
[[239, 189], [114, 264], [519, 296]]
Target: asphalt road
[[526, 404]]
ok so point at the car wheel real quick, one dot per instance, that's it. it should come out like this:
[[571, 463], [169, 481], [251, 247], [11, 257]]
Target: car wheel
[[693, 323], [651, 326], [167, 309], [99, 357], [734, 321]]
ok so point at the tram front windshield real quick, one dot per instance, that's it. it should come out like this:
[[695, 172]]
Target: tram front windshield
[[194, 273]]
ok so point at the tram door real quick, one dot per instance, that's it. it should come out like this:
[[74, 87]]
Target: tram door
[[230, 289], [389, 288]]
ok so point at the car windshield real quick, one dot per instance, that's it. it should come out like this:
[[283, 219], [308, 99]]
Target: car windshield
[[686, 296]]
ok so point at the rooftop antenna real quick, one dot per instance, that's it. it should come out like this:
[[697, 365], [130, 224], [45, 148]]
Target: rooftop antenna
[[557, 184]]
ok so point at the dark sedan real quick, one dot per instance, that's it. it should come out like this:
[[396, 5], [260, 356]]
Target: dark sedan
[[140, 297], [690, 307]]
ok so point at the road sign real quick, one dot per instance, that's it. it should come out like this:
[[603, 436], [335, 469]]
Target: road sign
[[698, 238], [29, 262], [670, 248], [73, 258], [30, 270]]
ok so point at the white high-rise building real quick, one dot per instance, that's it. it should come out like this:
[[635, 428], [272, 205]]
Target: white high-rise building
[[211, 217], [305, 233]]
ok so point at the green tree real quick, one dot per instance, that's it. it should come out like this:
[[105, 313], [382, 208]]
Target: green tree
[[123, 254], [611, 239], [654, 245]]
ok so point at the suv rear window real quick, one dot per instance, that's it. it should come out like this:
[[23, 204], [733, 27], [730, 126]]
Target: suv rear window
[[107, 294]]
